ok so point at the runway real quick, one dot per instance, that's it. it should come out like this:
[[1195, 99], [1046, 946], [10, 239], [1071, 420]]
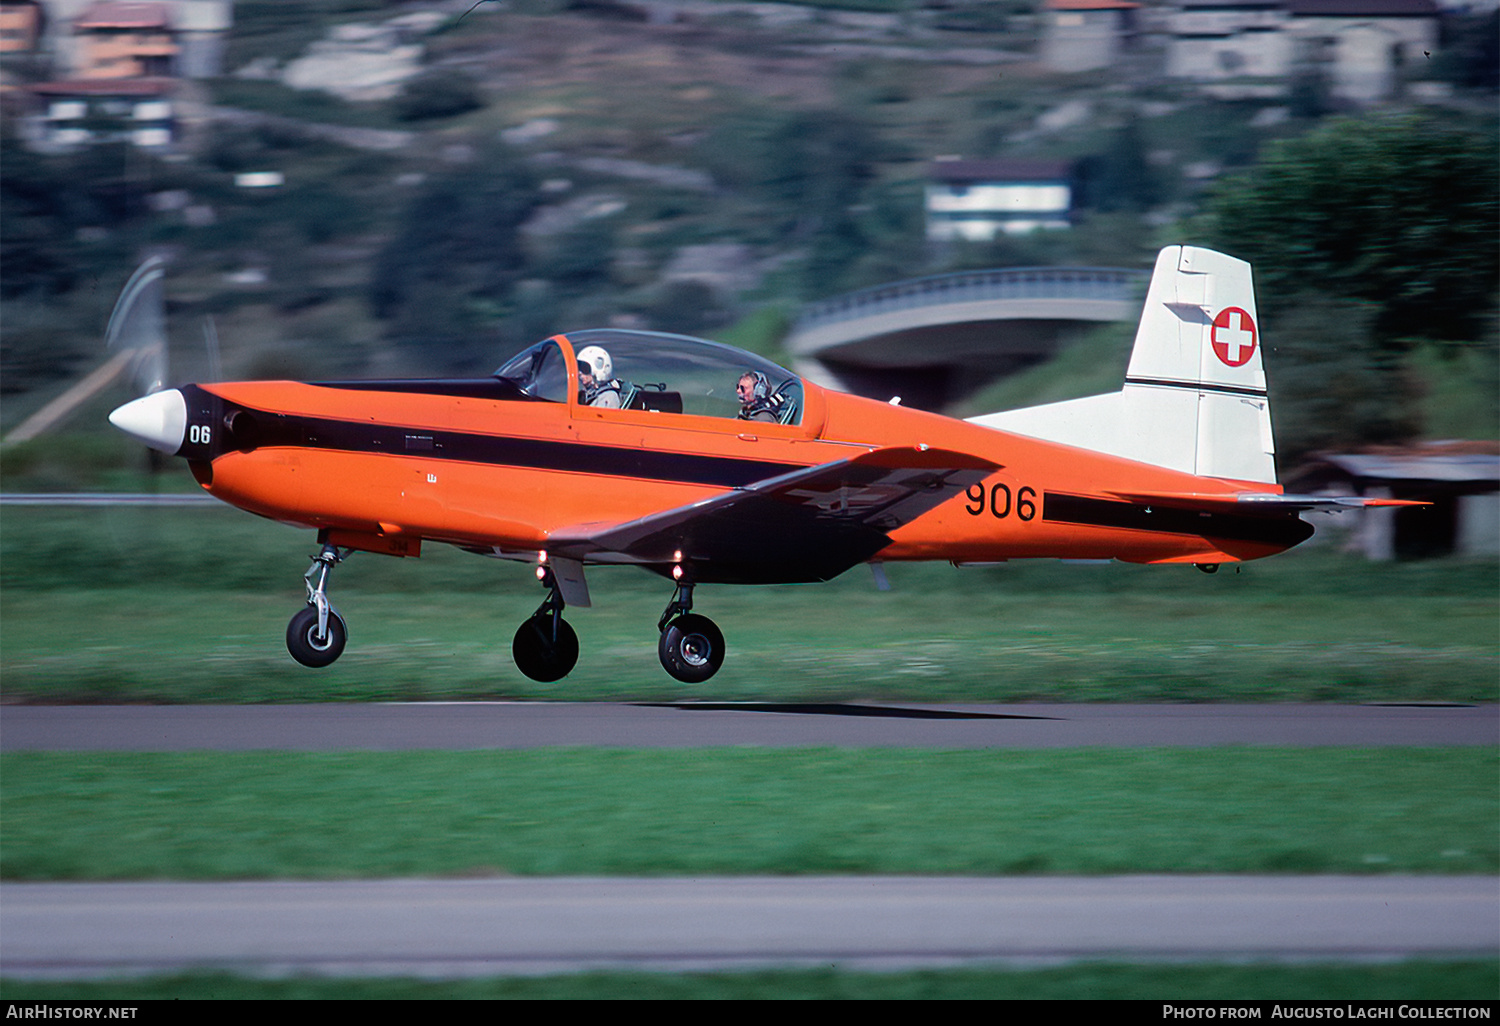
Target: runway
[[529, 926], [445, 928], [464, 725]]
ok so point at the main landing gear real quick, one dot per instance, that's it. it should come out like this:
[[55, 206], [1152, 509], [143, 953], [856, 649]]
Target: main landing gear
[[317, 635], [691, 647], [545, 647]]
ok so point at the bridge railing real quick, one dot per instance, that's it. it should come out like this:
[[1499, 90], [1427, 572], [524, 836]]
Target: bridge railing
[[1096, 283]]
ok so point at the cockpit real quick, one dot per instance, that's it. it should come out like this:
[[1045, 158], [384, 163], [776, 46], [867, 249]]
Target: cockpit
[[615, 368]]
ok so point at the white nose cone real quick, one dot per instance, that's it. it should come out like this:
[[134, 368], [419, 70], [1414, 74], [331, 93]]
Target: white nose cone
[[158, 419]]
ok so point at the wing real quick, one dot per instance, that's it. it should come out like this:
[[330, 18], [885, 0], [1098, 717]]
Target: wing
[[807, 525]]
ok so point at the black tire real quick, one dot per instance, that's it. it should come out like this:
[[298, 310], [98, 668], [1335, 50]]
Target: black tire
[[306, 647], [691, 648], [540, 655]]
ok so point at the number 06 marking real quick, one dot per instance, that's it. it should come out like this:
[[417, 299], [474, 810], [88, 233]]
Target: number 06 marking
[[1000, 502], [200, 434]]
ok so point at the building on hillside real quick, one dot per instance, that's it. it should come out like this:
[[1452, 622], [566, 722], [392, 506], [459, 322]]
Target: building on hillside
[[124, 39], [103, 38], [202, 29], [1215, 41], [118, 65], [82, 112], [21, 23], [1364, 47], [1081, 35], [1461, 480], [1360, 49], [975, 200]]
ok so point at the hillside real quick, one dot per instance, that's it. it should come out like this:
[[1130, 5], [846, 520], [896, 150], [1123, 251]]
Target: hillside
[[695, 166]]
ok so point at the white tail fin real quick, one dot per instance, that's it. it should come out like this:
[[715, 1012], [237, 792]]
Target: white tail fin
[[1195, 394]]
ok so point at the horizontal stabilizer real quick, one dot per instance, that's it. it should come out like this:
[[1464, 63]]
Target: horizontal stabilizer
[[807, 525], [1250, 502]]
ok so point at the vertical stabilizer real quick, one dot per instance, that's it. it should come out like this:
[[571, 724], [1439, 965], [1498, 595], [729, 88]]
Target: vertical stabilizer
[[1195, 392]]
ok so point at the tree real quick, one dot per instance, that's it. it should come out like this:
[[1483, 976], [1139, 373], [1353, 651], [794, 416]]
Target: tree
[[438, 94], [1368, 237], [1399, 211], [809, 173], [1120, 178], [1332, 386], [451, 267]]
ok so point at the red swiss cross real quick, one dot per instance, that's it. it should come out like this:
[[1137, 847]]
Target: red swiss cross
[[1234, 336]]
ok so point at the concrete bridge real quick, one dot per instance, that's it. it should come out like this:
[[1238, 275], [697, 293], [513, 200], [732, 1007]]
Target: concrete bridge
[[933, 340]]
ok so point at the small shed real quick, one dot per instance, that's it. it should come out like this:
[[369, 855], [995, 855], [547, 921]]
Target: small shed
[[1461, 480]]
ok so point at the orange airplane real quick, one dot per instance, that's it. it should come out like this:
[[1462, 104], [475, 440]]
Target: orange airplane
[[707, 464]]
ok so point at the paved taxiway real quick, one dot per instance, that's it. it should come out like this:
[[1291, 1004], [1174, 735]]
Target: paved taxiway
[[493, 926]]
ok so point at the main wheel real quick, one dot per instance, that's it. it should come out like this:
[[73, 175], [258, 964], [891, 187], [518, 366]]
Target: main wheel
[[306, 647], [691, 648], [542, 654]]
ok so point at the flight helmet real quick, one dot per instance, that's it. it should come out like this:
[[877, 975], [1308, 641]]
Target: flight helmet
[[598, 361]]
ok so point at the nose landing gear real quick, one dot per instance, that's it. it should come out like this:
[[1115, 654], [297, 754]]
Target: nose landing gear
[[317, 634]]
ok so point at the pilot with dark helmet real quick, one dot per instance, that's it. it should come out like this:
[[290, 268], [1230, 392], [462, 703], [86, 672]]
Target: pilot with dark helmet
[[596, 386], [756, 400]]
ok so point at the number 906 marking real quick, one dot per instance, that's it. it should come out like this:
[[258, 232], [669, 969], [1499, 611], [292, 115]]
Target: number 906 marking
[[1000, 502]]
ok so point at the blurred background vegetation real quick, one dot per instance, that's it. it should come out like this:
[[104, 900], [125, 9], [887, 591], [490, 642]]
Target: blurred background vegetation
[[559, 164]]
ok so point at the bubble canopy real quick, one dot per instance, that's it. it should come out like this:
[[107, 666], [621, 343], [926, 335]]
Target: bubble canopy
[[656, 371]]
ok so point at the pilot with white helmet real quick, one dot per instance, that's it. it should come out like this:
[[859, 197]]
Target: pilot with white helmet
[[596, 386]]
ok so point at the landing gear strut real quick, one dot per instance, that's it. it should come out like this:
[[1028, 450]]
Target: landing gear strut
[[691, 647], [317, 635], [545, 647]]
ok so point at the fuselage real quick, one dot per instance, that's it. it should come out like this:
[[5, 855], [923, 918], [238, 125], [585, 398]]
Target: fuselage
[[484, 464]]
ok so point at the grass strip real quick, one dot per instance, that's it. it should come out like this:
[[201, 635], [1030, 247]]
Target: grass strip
[[202, 816], [170, 605], [1416, 980]]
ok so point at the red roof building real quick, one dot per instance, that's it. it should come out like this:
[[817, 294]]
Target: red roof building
[[125, 39]]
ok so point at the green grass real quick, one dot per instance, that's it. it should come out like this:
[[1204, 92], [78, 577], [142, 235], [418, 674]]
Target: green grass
[[1458, 394], [1419, 980], [164, 605], [190, 605], [729, 812]]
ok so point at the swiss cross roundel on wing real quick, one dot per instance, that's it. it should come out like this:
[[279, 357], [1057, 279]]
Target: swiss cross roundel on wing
[[1234, 337]]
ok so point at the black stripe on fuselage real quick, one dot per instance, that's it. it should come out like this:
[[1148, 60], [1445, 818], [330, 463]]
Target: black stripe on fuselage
[[1199, 386], [286, 430], [498, 389], [1279, 529]]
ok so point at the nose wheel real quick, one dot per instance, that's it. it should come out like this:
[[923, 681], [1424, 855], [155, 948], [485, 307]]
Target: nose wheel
[[312, 646], [691, 647], [317, 634]]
